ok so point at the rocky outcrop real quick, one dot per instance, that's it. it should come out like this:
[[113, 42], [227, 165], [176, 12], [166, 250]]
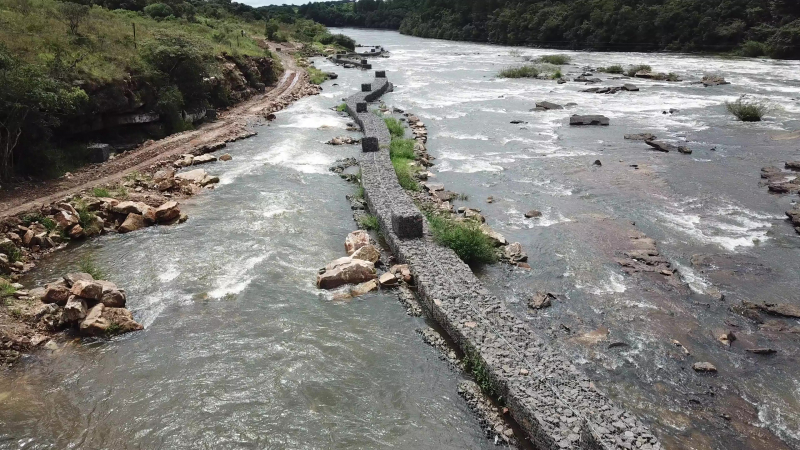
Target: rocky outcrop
[[588, 120], [667, 147], [713, 80]]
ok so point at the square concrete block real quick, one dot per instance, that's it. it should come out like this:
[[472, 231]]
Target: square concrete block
[[407, 225], [380, 74], [369, 144], [366, 87], [361, 107]]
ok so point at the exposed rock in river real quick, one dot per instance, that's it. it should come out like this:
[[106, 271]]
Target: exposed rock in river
[[588, 120]]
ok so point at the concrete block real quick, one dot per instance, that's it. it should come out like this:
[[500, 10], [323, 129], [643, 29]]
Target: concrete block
[[407, 224], [366, 87], [361, 107], [369, 144], [380, 74]]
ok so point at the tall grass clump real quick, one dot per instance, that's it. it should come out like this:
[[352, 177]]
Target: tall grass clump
[[12, 251], [316, 76], [405, 173], [558, 60], [402, 148], [101, 192], [747, 110], [464, 238], [615, 69], [526, 71], [369, 222], [395, 127], [88, 265], [638, 68]]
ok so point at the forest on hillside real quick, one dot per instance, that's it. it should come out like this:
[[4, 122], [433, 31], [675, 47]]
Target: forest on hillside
[[746, 27]]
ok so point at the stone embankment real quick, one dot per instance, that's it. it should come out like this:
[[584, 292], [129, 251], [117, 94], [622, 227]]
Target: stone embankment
[[553, 402]]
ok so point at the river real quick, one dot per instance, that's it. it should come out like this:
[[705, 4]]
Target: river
[[240, 350]]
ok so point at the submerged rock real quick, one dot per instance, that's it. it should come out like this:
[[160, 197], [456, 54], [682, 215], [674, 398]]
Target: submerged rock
[[588, 120], [363, 288], [640, 137], [704, 367], [541, 300]]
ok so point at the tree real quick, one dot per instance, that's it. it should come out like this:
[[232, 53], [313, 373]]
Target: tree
[[270, 29], [73, 14], [158, 10], [31, 105]]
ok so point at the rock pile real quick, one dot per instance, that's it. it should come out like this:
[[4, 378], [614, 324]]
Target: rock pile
[[784, 182], [630, 87], [344, 140], [77, 302]]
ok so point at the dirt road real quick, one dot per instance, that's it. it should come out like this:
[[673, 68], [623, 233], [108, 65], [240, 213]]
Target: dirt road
[[230, 125]]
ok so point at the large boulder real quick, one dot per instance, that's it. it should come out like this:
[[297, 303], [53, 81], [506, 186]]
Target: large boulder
[[111, 295], [57, 293], [129, 207], [203, 159], [102, 320], [88, 289], [75, 310], [168, 212], [367, 253], [496, 238], [363, 288], [196, 176], [65, 219], [588, 120], [132, 223], [71, 278], [355, 241], [351, 272]]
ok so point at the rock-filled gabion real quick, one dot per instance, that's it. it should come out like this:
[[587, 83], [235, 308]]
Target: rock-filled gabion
[[551, 400]]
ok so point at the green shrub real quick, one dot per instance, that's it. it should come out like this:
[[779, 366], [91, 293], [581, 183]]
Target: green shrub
[[558, 60], [405, 173], [615, 69], [638, 68], [158, 10], [402, 148], [747, 110], [785, 43], [12, 251], [6, 289], [88, 265], [395, 127], [317, 76], [101, 192], [342, 107], [369, 222], [338, 39], [49, 224], [526, 71], [465, 238], [753, 49], [556, 75]]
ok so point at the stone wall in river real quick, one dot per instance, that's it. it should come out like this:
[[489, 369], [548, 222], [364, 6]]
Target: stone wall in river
[[555, 403]]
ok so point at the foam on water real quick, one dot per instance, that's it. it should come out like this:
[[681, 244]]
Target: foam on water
[[236, 276]]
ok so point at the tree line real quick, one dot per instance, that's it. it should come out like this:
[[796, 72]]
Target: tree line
[[747, 27]]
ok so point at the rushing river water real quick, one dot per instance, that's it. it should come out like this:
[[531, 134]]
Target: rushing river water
[[241, 351], [708, 203]]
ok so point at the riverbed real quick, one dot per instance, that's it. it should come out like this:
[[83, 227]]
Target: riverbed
[[709, 215], [240, 349]]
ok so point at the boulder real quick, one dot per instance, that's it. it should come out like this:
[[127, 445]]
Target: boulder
[[388, 280], [65, 219], [352, 272], [640, 137], [497, 239], [630, 87], [168, 212], [88, 289], [57, 293], [129, 207], [541, 300], [784, 188], [102, 320], [367, 253], [226, 157], [474, 214], [76, 232], [548, 105], [792, 165], [533, 214], [132, 223], [705, 367], [355, 241], [184, 161], [203, 159], [714, 80], [514, 253], [588, 120], [403, 271], [363, 288], [75, 310], [111, 295], [71, 278], [163, 175], [196, 176], [661, 146]]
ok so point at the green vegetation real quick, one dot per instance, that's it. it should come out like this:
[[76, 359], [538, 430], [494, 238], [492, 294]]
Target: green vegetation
[[474, 365], [402, 148], [556, 75], [316, 76], [113, 328], [558, 60], [6, 288], [396, 128], [12, 251], [615, 69], [369, 222], [747, 110], [753, 49], [463, 237], [342, 107], [524, 71], [101, 192], [88, 265], [633, 70], [405, 173], [47, 222]]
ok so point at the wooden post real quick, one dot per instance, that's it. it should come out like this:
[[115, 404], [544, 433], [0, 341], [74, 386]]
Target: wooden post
[[134, 34]]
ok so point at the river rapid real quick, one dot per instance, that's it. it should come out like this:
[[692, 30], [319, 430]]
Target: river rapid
[[240, 349], [707, 212]]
